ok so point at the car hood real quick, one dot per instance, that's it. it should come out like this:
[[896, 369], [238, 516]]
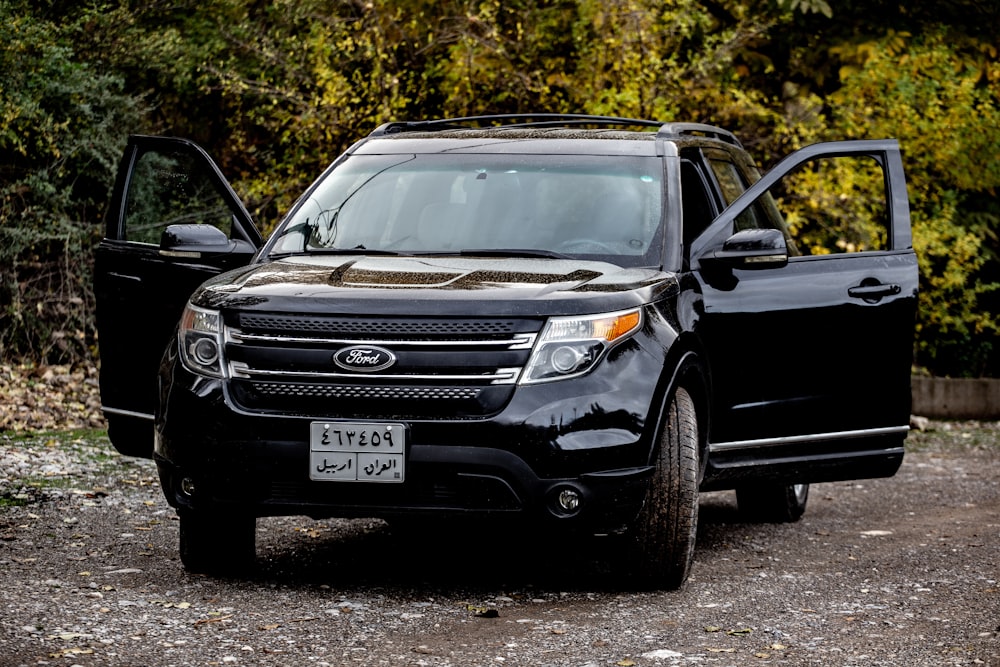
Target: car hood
[[434, 285]]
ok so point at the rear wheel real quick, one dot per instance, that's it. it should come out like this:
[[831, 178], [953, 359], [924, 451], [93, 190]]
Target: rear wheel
[[217, 543], [665, 531], [772, 503]]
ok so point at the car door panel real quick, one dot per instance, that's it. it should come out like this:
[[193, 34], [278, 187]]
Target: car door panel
[[819, 348], [142, 287], [794, 353]]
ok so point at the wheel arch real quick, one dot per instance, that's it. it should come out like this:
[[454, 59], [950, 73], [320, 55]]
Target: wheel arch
[[685, 367]]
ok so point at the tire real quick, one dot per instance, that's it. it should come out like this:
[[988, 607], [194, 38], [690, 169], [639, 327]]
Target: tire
[[665, 531], [216, 543], [772, 503]]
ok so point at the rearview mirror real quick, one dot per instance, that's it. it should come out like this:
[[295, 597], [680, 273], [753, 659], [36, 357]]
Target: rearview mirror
[[194, 241]]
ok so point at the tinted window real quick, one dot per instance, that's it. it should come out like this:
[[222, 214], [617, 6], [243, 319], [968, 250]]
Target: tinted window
[[732, 185], [171, 188], [697, 207]]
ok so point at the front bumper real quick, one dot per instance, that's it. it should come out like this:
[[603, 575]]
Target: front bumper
[[441, 481], [513, 464]]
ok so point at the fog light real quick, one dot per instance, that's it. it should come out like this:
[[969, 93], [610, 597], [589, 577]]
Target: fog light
[[187, 486], [569, 500]]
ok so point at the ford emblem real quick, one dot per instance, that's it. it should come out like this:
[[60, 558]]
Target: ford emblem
[[364, 358]]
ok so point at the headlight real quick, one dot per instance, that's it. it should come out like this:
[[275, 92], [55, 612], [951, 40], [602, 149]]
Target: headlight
[[200, 340], [571, 346]]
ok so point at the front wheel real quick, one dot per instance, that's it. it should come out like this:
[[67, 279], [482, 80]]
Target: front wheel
[[772, 503], [665, 531], [216, 543]]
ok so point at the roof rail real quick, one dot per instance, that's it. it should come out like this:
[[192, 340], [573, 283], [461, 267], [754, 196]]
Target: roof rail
[[509, 120], [673, 130], [665, 130]]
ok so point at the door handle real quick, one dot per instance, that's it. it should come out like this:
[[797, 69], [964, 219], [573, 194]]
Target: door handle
[[872, 293]]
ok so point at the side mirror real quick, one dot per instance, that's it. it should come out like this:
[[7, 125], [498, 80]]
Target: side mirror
[[194, 241], [753, 249]]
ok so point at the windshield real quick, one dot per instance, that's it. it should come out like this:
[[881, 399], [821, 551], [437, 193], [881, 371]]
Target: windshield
[[572, 205]]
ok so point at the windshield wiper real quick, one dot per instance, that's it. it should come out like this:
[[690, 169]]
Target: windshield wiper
[[359, 250], [512, 252], [356, 250]]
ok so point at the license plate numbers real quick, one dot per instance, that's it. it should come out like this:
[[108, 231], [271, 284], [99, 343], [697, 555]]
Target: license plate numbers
[[357, 452]]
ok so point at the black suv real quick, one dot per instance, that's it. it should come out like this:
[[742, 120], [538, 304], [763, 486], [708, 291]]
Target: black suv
[[570, 321]]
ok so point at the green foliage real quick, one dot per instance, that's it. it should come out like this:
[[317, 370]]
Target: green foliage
[[276, 89], [62, 129], [807, 6], [940, 99], [836, 206]]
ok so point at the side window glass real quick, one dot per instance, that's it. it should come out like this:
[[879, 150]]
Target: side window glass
[[170, 188], [731, 185], [835, 205]]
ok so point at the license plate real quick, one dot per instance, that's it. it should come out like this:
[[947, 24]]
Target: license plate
[[357, 452]]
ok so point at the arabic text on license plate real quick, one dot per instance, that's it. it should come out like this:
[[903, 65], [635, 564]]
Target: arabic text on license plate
[[357, 452]]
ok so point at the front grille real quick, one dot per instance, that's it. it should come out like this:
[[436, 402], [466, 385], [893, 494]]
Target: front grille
[[376, 392], [366, 328], [459, 368]]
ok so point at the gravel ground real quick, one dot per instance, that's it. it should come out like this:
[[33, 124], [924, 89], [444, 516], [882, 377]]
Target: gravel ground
[[902, 571]]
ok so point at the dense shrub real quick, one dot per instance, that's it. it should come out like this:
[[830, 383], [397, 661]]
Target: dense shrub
[[62, 129]]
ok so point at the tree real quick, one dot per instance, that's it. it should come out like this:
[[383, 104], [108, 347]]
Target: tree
[[275, 89], [62, 130], [938, 94]]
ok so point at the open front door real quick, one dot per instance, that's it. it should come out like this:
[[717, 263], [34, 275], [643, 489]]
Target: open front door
[[168, 192], [809, 282]]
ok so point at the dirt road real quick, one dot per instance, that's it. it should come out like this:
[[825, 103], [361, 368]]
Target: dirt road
[[902, 571]]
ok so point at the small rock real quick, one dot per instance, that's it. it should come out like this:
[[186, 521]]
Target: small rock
[[662, 654]]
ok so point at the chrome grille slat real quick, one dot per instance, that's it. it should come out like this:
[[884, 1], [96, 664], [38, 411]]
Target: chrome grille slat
[[502, 375], [518, 342], [406, 327], [379, 392]]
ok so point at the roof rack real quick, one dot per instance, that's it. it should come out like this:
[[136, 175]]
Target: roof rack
[[665, 130], [509, 120], [672, 130]]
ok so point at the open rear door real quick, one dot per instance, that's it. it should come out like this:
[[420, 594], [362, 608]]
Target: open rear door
[[143, 277]]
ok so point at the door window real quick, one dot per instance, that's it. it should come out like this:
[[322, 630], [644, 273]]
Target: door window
[[835, 205], [732, 185], [168, 188]]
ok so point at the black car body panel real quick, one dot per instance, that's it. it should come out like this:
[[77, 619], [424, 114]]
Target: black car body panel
[[141, 285], [798, 365]]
